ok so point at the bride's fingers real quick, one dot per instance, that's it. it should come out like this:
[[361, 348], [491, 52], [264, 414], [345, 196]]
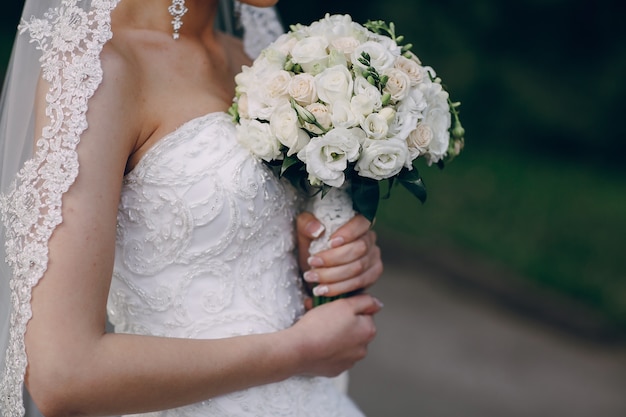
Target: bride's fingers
[[345, 253], [353, 230], [334, 281]]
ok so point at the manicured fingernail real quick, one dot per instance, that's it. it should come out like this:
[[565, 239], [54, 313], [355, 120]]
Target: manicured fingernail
[[336, 241], [378, 302], [316, 230], [320, 290], [310, 276], [315, 261]]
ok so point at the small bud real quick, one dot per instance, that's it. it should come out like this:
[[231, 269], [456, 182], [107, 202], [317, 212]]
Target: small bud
[[289, 65], [385, 99], [303, 113], [458, 132], [297, 68], [399, 39], [383, 81], [371, 80]]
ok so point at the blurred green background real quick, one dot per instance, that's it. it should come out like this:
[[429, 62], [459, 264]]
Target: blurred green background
[[541, 187]]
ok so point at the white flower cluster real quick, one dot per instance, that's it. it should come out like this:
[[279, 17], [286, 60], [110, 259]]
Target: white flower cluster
[[310, 95]]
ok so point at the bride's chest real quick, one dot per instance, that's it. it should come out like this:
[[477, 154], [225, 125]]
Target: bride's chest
[[198, 191]]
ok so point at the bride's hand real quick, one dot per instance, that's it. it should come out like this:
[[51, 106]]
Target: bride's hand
[[352, 263], [331, 338]]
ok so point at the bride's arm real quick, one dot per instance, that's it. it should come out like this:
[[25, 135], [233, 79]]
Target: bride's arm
[[75, 368]]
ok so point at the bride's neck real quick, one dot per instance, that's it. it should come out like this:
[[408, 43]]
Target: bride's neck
[[154, 15]]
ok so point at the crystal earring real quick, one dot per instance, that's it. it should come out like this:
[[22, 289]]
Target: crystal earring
[[177, 10]]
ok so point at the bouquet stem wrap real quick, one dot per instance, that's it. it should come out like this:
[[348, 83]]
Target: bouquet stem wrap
[[333, 210]]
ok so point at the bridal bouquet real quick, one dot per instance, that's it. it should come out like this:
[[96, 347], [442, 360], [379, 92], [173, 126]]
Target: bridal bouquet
[[338, 108]]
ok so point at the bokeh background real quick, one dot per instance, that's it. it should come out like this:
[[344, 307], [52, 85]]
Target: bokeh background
[[536, 204], [541, 187]]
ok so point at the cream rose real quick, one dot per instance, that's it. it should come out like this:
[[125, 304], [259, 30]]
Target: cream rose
[[398, 85], [258, 139], [284, 126], [334, 84], [418, 141], [410, 68], [302, 89], [382, 159]]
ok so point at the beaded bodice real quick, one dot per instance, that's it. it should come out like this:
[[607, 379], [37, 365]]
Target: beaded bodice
[[205, 249]]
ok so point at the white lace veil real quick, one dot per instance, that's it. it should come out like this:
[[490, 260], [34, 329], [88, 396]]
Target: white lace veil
[[61, 40]]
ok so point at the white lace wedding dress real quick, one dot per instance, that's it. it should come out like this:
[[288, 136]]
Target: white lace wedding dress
[[205, 249]]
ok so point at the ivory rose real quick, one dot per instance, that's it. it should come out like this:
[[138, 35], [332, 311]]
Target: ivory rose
[[302, 89]]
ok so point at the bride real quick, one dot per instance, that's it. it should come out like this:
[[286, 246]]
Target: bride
[[138, 203]]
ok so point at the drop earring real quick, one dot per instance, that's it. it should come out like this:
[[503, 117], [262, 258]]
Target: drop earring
[[177, 10]]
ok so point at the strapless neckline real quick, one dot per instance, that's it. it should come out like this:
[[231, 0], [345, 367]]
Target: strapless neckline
[[195, 122]]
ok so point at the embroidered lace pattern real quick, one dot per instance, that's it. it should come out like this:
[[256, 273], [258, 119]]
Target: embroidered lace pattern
[[205, 249], [70, 40]]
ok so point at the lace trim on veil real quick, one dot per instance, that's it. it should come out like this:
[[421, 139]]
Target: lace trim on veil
[[71, 40]]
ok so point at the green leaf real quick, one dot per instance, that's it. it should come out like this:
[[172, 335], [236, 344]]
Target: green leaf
[[412, 181], [288, 163], [365, 196], [390, 184]]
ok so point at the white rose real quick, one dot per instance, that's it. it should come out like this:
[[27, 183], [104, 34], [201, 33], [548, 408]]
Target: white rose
[[380, 57], [258, 139], [302, 89], [382, 159], [375, 126], [285, 43], [438, 120], [284, 126], [327, 157], [386, 42], [346, 45], [362, 105], [338, 26], [410, 68], [334, 84], [311, 53], [276, 86], [363, 87], [398, 84], [322, 116], [343, 115], [269, 93]]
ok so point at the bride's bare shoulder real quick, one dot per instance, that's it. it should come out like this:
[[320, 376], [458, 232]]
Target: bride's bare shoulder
[[237, 55]]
